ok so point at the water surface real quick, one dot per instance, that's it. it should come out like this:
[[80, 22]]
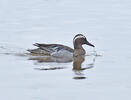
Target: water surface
[[106, 24]]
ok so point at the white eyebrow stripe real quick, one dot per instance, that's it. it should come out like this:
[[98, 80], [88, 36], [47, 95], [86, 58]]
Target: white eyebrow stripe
[[78, 37]]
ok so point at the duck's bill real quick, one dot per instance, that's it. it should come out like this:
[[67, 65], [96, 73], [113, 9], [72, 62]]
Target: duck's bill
[[90, 44]]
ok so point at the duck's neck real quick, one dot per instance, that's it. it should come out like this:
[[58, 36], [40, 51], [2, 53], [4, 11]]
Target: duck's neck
[[79, 50]]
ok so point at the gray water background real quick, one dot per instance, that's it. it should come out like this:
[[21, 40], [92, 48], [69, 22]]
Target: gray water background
[[105, 23]]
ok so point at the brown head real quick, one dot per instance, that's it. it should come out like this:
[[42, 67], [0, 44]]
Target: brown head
[[79, 40]]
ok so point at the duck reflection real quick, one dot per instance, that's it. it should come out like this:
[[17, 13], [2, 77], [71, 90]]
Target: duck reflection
[[47, 61], [77, 63], [78, 68]]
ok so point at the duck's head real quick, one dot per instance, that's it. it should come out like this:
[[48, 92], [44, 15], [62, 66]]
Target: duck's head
[[79, 40]]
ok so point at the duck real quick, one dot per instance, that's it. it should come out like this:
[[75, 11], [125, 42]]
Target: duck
[[59, 50]]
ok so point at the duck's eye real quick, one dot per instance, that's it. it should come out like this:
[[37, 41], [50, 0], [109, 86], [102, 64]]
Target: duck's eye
[[85, 40]]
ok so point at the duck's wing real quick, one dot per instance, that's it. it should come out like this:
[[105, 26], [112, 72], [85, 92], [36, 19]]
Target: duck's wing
[[43, 45], [38, 52], [41, 50], [53, 47], [48, 49]]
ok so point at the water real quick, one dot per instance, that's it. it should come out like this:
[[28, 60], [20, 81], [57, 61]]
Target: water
[[106, 24]]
